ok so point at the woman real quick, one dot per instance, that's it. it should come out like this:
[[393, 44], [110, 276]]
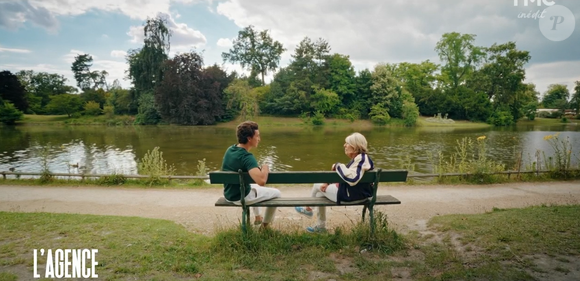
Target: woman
[[355, 147]]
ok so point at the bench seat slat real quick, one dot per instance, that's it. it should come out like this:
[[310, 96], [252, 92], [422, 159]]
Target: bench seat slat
[[306, 201], [306, 177]]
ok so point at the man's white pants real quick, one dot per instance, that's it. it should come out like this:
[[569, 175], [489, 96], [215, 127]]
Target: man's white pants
[[259, 194]]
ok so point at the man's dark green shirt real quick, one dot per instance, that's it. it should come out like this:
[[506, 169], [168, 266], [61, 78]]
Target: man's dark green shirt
[[237, 158]]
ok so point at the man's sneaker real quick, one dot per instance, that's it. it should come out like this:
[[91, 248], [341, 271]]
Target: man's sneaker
[[316, 229], [303, 211]]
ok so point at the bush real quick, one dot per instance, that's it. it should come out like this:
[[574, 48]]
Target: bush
[[410, 113], [318, 118], [153, 165], [113, 179], [379, 115], [109, 111], [9, 114], [501, 118], [555, 114], [92, 108]]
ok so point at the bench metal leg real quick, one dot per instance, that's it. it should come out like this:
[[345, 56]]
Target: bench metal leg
[[364, 212], [245, 218], [371, 214]]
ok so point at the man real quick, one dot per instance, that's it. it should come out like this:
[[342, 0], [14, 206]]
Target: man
[[238, 157]]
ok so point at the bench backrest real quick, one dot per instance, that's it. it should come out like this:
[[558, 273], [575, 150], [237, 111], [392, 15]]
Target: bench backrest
[[308, 177]]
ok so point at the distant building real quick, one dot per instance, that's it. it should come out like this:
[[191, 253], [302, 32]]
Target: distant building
[[570, 112]]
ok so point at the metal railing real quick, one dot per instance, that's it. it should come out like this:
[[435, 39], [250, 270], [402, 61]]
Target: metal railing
[[83, 176]]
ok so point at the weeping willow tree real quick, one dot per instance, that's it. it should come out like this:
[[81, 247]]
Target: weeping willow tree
[[145, 67]]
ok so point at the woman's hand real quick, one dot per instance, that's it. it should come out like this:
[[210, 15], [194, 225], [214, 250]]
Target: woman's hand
[[323, 187]]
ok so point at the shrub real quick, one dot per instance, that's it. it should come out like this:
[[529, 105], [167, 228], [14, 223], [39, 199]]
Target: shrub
[[501, 118], [318, 118], [109, 111], [555, 114], [113, 179], [9, 114], [410, 113], [202, 170], [379, 115], [153, 165], [92, 108]]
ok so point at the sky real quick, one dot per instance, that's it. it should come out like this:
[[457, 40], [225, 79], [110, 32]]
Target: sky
[[46, 35]]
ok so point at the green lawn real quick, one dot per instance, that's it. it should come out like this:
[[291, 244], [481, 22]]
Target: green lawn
[[500, 245]]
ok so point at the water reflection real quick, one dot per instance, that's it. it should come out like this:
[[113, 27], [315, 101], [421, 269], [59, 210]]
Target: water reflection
[[74, 157], [105, 150]]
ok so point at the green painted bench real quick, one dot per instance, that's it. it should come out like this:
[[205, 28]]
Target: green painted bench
[[244, 180]]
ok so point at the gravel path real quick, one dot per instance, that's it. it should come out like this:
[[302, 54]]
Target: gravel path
[[194, 208]]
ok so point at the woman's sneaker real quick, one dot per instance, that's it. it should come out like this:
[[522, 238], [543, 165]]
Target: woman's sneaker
[[316, 229], [303, 211]]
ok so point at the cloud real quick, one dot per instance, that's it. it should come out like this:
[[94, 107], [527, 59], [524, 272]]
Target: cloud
[[182, 36], [135, 9], [14, 14], [22, 51], [118, 54], [544, 74], [373, 31], [225, 42]]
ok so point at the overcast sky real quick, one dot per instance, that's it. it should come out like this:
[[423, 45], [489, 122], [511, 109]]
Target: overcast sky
[[46, 35]]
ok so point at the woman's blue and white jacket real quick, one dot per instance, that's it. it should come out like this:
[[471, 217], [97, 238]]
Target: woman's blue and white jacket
[[350, 189]]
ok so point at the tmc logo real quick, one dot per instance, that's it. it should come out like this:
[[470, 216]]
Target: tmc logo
[[539, 2]]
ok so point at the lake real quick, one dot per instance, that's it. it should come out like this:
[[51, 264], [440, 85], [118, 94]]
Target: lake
[[106, 150]]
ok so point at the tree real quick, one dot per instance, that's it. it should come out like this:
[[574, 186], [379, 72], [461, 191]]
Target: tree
[[388, 91], [188, 95], [99, 96], [81, 67], [528, 98], [65, 104], [40, 86], [240, 96], [501, 77], [215, 75], [342, 78], [556, 96], [12, 90], [324, 101], [255, 51], [575, 101], [87, 79], [363, 93], [9, 114], [145, 65], [459, 57]]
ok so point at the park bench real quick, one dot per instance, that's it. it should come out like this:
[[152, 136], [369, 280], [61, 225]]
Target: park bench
[[244, 179]]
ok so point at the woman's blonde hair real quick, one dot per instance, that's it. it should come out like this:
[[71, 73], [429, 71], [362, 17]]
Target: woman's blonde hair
[[358, 142]]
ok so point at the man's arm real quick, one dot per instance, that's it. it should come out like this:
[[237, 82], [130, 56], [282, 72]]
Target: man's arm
[[260, 176]]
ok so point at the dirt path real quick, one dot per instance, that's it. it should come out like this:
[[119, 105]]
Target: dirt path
[[195, 208]]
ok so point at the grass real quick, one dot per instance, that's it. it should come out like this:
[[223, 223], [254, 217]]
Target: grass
[[422, 122], [43, 119], [546, 121], [505, 244], [128, 183], [83, 120], [139, 248]]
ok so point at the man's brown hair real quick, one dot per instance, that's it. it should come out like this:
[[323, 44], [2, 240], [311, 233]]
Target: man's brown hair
[[246, 130]]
